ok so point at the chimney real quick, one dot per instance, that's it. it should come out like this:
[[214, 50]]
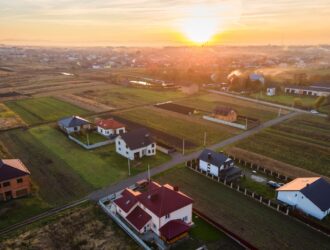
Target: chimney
[[209, 156], [176, 188]]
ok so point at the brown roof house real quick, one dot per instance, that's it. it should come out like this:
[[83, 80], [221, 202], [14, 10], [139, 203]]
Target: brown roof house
[[14, 179], [225, 113]]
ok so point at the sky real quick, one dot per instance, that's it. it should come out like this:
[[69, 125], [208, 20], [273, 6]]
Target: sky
[[166, 22]]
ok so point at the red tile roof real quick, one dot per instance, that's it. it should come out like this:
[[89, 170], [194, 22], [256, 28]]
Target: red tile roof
[[138, 218], [173, 229], [163, 200], [109, 124], [12, 168], [127, 201]]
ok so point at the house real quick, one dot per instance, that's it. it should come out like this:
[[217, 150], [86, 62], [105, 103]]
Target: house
[[218, 165], [257, 78], [14, 179], [73, 124], [161, 209], [271, 91], [225, 113], [318, 89], [310, 195], [136, 144], [110, 127]]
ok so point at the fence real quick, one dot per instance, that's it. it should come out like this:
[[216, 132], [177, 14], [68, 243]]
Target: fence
[[232, 124], [92, 146], [279, 207]]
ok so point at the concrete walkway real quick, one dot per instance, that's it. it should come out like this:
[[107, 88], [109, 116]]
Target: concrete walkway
[[178, 159]]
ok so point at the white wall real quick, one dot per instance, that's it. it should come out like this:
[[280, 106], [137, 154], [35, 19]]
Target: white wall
[[214, 170], [108, 132], [300, 201], [127, 153]]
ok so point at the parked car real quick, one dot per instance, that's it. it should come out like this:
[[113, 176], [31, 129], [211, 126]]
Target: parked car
[[313, 111], [253, 171], [273, 184]]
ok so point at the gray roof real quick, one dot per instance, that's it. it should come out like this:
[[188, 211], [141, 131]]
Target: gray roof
[[214, 158], [319, 193], [73, 121], [138, 138]]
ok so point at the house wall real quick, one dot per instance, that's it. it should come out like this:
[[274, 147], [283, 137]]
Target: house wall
[[16, 189], [231, 117], [122, 149], [214, 170], [300, 201], [305, 92], [108, 132]]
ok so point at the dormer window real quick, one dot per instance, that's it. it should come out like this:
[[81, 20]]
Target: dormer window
[[167, 216]]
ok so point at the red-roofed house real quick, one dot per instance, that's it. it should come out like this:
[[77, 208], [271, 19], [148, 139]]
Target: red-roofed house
[[14, 179], [110, 127], [162, 209]]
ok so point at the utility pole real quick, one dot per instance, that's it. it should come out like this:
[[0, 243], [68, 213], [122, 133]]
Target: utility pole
[[149, 177], [279, 112], [129, 168], [204, 138], [182, 146]]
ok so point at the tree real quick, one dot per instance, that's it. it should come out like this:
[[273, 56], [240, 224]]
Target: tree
[[319, 101]]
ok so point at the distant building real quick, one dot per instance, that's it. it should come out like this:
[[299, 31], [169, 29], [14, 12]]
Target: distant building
[[310, 195], [110, 127], [225, 113], [271, 91], [136, 144], [218, 164], [317, 89], [14, 179], [161, 209], [257, 77], [73, 124]]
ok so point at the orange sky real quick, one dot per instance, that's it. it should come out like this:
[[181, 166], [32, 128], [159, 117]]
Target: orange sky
[[166, 22]]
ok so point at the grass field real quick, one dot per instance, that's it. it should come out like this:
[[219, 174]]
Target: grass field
[[123, 97], [208, 102], [43, 109], [89, 138], [8, 118], [303, 142], [262, 226], [284, 99], [181, 126], [83, 227]]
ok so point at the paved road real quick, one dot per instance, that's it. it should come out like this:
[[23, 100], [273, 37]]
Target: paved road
[[178, 159], [263, 102]]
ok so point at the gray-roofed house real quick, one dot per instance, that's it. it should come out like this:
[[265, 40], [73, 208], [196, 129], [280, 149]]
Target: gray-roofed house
[[317, 89], [73, 124], [310, 195], [136, 144], [219, 165]]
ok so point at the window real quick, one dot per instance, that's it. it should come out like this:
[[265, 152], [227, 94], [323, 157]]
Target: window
[[167, 216], [6, 184], [154, 225], [149, 151], [127, 152], [20, 180], [152, 145], [185, 218], [119, 149], [118, 143]]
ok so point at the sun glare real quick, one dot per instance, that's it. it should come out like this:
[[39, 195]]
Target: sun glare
[[200, 30]]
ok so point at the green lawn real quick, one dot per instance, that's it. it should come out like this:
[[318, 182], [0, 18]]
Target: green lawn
[[284, 99], [262, 226], [123, 97], [259, 188], [303, 142], [202, 233], [35, 110], [89, 138], [208, 102], [181, 126]]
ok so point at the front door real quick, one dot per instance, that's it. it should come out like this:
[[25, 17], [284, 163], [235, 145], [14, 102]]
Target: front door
[[136, 155], [8, 195]]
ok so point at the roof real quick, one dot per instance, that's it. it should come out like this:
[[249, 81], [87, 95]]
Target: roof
[[109, 124], [214, 158], [12, 168], [173, 228], [164, 200], [297, 184], [127, 201], [316, 189], [73, 121], [138, 218], [223, 110], [138, 138], [256, 77], [309, 88]]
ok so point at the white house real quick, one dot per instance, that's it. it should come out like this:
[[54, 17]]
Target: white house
[[218, 164], [110, 127], [162, 209], [310, 195], [313, 90], [271, 91], [136, 144]]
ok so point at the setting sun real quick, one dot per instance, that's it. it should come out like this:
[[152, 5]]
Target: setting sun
[[200, 30]]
